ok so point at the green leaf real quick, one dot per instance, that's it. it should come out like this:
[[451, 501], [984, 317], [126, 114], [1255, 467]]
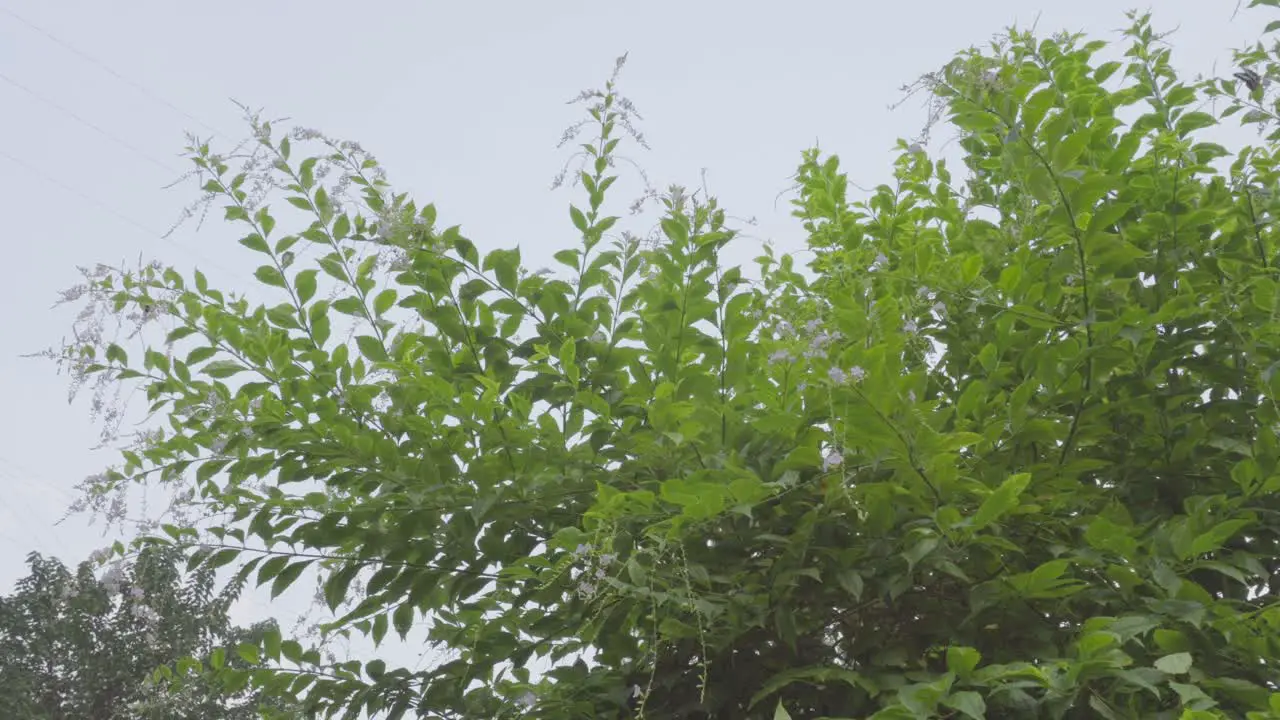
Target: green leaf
[[1192, 121], [969, 703], [384, 301], [269, 275], [116, 354], [1001, 501], [255, 242], [579, 220], [305, 285], [466, 249], [402, 619], [371, 348], [962, 660], [1192, 697], [341, 227], [1214, 538], [505, 265], [271, 642], [1069, 150], [288, 576], [336, 586], [919, 550], [222, 368], [851, 581], [1175, 664], [780, 713], [271, 568]]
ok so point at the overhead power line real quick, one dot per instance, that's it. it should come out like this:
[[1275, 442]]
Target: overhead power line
[[109, 209], [107, 69], [91, 125]]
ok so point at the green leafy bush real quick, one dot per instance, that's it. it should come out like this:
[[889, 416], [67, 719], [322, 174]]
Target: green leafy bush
[[1008, 450]]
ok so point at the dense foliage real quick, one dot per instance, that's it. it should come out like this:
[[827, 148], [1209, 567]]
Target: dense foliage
[[74, 646], [1006, 449]]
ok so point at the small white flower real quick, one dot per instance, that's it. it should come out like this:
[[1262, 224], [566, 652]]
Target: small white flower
[[910, 327], [779, 356], [812, 326], [939, 308], [784, 329], [857, 373], [911, 395], [636, 691], [527, 699], [879, 262], [832, 460], [581, 550], [837, 375], [607, 558]]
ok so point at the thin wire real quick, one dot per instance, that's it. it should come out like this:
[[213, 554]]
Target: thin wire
[[91, 125], [25, 515], [17, 469], [105, 68], [119, 215]]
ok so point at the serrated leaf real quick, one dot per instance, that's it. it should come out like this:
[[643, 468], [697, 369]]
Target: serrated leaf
[[1000, 501], [335, 588], [402, 619], [371, 348], [288, 576]]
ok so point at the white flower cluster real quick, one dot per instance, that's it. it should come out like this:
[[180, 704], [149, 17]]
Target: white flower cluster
[[593, 573]]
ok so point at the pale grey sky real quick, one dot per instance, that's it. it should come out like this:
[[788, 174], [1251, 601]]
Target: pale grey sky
[[462, 102]]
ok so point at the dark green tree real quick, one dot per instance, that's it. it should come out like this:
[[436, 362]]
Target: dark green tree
[[74, 645]]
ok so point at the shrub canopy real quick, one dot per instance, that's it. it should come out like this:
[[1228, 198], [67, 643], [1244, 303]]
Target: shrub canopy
[[1006, 448]]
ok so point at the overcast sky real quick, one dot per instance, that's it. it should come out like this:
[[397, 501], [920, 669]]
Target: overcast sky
[[462, 102]]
